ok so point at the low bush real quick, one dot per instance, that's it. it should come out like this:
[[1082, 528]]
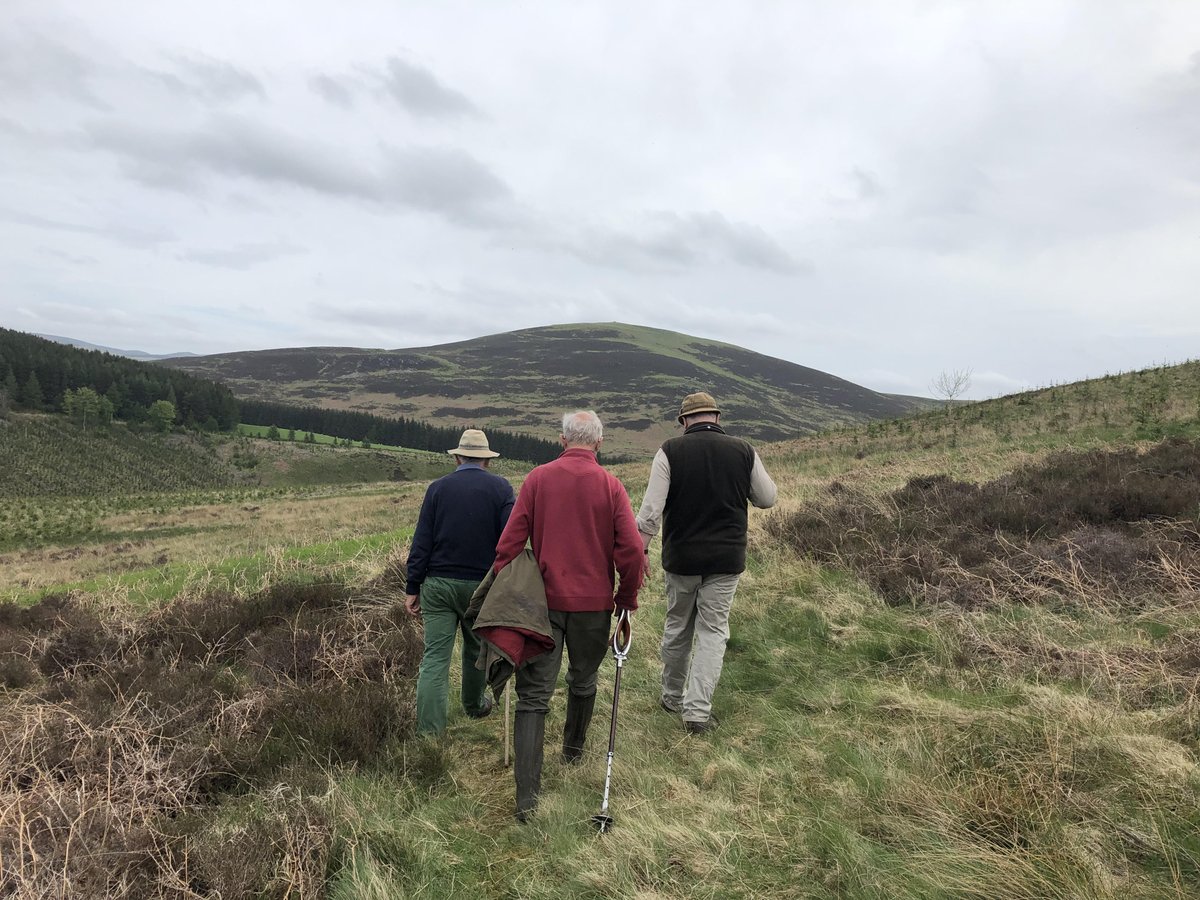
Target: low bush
[[1081, 529]]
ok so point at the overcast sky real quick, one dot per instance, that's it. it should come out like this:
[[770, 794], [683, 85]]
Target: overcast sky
[[881, 190]]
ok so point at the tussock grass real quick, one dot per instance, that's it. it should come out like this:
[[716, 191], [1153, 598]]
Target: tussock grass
[[173, 754]]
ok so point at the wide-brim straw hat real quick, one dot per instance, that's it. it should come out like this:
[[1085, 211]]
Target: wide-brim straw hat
[[473, 444], [694, 404]]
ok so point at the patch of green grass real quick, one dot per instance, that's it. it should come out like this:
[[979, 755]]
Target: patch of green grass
[[262, 431], [304, 564]]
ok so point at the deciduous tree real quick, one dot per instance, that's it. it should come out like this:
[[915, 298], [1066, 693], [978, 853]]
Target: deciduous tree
[[951, 384], [162, 415]]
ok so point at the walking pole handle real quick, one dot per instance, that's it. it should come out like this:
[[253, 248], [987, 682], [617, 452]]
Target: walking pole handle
[[622, 636]]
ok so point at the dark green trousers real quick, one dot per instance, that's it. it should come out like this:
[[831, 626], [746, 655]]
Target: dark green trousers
[[444, 603]]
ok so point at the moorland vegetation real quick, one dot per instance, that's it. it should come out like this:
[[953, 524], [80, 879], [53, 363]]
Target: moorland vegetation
[[964, 663]]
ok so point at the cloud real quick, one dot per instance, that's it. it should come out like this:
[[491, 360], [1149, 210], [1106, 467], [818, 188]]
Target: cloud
[[867, 183], [1171, 110], [669, 240], [333, 90], [416, 89], [243, 256], [31, 64], [435, 313], [442, 181], [14, 130], [446, 181], [211, 80], [75, 313], [711, 321], [131, 235], [421, 93], [73, 258]]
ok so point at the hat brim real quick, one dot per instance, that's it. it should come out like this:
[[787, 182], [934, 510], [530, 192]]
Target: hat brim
[[473, 453], [696, 412]]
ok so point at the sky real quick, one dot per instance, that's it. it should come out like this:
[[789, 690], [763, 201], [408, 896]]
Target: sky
[[885, 190]]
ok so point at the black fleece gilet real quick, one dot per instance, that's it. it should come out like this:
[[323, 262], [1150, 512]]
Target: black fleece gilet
[[704, 520]]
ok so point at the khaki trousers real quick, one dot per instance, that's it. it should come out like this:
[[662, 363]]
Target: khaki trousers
[[694, 637]]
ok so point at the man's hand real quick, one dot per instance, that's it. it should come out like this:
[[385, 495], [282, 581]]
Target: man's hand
[[412, 602], [646, 539]]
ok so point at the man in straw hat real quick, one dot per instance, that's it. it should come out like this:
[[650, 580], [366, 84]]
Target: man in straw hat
[[579, 522], [453, 546], [699, 485]]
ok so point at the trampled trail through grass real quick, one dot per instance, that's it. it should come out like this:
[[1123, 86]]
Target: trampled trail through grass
[[978, 685]]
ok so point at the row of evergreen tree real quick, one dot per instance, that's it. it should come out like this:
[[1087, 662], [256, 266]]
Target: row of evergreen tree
[[400, 432], [37, 374]]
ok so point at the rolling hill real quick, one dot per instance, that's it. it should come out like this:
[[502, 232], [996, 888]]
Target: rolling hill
[[524, 380], [115, 351]]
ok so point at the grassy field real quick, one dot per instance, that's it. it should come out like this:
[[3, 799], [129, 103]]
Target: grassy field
[[976, 686], [263, 431], [68, 492]]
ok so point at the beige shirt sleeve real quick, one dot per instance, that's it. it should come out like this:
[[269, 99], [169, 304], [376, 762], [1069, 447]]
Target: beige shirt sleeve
[[763, 492], [649, 517]]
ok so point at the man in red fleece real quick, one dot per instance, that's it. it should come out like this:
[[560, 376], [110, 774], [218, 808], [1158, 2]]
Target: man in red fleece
[[579, 522]]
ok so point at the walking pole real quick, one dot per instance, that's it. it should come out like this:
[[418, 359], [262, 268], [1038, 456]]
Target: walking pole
[[507, 732], [622, 638]]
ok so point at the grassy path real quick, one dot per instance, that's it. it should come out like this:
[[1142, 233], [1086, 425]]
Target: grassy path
[[853, 760]]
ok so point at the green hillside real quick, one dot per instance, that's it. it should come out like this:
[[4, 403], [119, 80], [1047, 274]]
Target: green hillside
[[524, 380], [49, 455], [1115, 409], [963, 664]]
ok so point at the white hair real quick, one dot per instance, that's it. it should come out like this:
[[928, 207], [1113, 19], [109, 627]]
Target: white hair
[[582, 427]]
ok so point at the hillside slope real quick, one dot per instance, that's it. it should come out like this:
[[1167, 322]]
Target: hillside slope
[[524, 380], [51, 456]]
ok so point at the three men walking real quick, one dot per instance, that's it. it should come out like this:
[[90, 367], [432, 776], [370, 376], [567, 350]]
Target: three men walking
[[591, 552]]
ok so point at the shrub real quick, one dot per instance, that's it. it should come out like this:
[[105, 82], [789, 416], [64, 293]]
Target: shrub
[[1080, 528], [119, 743]]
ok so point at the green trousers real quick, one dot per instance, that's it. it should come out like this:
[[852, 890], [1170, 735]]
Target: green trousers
[[444, 603]]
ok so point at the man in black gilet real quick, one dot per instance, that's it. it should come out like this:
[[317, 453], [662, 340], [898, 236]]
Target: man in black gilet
[[700, 483]]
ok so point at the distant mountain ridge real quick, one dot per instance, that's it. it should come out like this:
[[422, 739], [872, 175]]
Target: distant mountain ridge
[[633, 376], [115, 351]]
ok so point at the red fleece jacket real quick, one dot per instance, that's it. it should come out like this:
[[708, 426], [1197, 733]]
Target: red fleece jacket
[[578, 519]]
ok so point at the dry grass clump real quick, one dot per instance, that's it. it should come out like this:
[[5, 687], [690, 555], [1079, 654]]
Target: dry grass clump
[[1134, 675], [122, 740], [1091, 530]]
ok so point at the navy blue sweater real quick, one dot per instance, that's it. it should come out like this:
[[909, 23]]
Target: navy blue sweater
[[461, 519]]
